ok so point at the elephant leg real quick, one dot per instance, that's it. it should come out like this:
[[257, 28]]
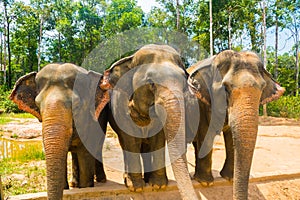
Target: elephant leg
[[66, 179], [227, 170], [158, 177], [131, 147], [86, 168], [99, 171], [147, 160], [133, 170], [203, 173], [75, 170]]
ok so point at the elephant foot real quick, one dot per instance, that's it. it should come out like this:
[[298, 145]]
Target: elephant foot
[[74, 184], [158, 182], [134, 184], [227, 173], [206, 180], [101, 179]]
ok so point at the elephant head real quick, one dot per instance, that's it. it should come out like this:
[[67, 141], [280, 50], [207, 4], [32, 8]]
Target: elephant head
[[154, 80], [235, 83], [50, 95]]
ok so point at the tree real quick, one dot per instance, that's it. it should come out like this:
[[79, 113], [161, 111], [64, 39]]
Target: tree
[[7, 21], [264, 46], [293, 24], [24, 37], [122, 15]]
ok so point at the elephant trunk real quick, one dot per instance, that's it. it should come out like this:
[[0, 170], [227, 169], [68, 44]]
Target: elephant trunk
[[176, 139], [243, 119], [57, 132]]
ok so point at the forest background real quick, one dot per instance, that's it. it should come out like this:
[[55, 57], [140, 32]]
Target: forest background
[[37, 32]]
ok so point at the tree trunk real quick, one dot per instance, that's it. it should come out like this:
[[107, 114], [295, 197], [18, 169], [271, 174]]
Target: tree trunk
[[297, 55], [177, 15], [1, 192], [297, 68], [8, 44], [211, 29], [276, 47], [59, 47], [229, 30], [39, 44], [265, 113]]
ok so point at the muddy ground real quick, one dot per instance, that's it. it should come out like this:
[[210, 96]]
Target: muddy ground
[[275, 170]]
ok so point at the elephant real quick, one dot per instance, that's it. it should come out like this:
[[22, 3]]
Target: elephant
[[51, 96], [147, 102], [230, 86]]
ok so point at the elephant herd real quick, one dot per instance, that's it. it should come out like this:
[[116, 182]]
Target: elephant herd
[[151, 101]]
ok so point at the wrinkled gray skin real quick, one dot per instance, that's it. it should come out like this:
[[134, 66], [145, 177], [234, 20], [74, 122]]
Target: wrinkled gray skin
[[49, 95], [243, 84], [150, 86]]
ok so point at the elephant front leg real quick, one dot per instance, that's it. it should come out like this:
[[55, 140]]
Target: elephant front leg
[[157, 176], [86, 168], [99, 171], [203, 173], [227, 170], [75, 171], [133, 170], [133, 173]]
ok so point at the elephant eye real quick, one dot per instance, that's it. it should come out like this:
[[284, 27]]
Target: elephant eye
[[41, 82], [69, 83], [228, 87]]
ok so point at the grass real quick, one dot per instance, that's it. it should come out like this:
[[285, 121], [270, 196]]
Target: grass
[[22, 177], [18, 115], [4, 120], [8, 117], [29, 164]]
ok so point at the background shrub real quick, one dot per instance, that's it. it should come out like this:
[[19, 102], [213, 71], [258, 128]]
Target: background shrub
[[285, 106], [7, 105]]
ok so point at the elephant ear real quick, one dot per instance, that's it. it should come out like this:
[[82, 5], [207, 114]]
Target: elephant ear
[[272, 91], [200, 80], [24, 94], [101, 96], [205, 81], [115, 72]]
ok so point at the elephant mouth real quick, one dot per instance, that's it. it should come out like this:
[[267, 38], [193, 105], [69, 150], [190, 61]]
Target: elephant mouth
[[138, 118], [105, 81]]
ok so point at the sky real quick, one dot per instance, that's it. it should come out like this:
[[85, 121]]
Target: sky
[[147, 4]]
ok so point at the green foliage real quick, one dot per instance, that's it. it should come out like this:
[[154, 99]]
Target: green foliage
[[4, 120], [286, 71], [286, 106], [7, 105]]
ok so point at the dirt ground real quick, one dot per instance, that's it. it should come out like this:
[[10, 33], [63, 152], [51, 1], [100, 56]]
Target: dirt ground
[[278, 140]]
